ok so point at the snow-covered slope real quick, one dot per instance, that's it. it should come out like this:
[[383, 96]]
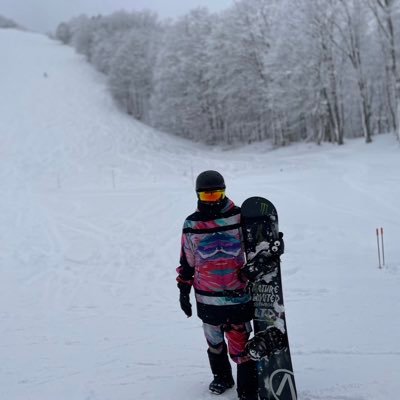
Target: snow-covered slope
[[91, 209]]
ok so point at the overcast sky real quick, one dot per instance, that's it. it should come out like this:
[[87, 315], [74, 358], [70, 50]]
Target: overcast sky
[[45, 15]]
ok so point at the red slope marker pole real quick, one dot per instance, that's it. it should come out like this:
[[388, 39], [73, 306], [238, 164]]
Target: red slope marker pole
[[379, 250], [383, 249]]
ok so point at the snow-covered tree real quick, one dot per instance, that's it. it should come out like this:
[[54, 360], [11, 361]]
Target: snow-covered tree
[[387, 17], [131, 70], [313, 75], [180, 102], [82, 31], [63, 33], [350, 22], [7, 23], [109, 33]]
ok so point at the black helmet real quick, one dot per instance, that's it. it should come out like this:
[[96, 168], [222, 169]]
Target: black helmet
[[209, 180]]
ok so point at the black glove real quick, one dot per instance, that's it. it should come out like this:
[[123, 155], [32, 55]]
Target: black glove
[[184, 298]]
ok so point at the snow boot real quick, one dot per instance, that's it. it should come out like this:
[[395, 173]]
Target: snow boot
[[247, 381], [222, 371]]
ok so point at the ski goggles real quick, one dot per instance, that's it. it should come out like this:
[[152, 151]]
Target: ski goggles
[[211, 196]]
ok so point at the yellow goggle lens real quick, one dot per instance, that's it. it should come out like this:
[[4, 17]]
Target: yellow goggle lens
[[212, 196]]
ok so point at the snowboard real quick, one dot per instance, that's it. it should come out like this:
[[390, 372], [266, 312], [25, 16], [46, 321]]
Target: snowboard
[[269, 346]]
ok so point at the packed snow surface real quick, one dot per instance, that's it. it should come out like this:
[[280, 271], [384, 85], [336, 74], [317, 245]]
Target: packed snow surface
[[92, 205]]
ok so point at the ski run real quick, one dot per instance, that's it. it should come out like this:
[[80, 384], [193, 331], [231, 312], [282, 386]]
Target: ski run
[[91, 210]]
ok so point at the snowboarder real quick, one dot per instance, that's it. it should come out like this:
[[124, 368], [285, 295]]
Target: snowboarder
[[212, 255]]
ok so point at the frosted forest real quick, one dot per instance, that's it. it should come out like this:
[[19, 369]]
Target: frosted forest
[[287, 70]]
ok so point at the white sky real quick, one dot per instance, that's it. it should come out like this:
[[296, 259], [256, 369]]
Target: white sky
[[45, 15]]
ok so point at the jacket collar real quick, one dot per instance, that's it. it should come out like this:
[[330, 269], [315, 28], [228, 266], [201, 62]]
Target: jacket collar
[[215, 209]]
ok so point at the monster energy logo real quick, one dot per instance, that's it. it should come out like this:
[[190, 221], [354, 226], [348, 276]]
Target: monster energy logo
[[264, 208]]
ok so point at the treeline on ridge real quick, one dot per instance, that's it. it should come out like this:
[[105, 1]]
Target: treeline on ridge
[[283, 70]]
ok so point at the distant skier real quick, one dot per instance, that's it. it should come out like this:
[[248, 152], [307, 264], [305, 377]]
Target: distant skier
[[211, 258]]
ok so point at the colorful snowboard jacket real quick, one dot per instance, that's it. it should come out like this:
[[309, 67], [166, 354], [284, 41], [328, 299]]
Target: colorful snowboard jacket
[[211, 256]]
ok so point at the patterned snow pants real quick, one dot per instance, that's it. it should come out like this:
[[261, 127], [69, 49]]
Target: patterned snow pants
[[237, 336]]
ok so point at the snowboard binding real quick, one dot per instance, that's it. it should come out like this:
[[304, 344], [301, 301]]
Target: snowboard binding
[[266, 343]]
